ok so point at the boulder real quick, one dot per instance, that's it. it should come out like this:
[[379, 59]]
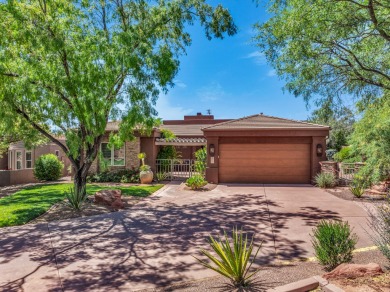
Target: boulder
[[110, 198], [352, 271]]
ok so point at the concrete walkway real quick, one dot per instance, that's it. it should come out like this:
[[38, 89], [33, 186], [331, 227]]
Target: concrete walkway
[[152, 244]]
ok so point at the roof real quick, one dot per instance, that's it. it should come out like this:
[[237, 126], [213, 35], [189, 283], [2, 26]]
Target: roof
[[185, 130], [181, 141], [260, 121]]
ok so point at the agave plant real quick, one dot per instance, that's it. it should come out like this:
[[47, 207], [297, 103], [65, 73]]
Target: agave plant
[[233, 259], [76, 199]]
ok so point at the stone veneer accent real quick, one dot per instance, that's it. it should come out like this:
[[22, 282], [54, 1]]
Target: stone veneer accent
[[132, 149], [329, 167]]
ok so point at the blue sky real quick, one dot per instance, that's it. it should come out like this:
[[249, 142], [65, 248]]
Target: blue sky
[[229, 76]]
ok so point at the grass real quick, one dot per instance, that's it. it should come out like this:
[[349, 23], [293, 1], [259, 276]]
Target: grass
[[29, 203]]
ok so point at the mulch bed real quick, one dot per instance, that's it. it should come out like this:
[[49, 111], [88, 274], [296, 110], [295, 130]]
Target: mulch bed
[[345, 194], [365, 284], [61, 211]]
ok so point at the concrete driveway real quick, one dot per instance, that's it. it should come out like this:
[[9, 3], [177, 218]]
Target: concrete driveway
[[152, 244]]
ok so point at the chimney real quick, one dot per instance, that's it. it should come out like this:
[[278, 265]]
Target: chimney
[[198, 114]]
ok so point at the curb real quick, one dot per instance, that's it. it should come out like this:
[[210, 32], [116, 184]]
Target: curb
[[307, 284]]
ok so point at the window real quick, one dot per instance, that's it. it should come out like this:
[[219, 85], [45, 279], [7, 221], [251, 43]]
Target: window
[[28, 159], [19, 160], [113, 157]]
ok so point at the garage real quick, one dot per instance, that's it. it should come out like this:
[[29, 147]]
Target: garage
[[264, 163], [264, 149]]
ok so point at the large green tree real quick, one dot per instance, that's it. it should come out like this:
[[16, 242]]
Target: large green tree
[[329, 48], [341, 120], [67, 67]]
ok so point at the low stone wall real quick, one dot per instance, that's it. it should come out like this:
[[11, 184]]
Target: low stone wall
[[15, 177], [343, 172]]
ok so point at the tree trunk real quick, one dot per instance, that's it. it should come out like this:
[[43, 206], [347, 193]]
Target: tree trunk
[[80, 181]]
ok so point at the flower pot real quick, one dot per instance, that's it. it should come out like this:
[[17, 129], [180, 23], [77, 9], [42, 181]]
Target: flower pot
[[146, 177]]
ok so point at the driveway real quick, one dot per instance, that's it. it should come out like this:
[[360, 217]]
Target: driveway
[[152, 244]]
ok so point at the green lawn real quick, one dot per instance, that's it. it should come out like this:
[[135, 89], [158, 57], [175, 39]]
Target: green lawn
[[29, 203]]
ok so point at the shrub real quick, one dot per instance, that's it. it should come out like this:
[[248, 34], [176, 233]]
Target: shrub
[[201, 161], [379, 223], [233, 259], [325, 180], [160, 176], [347, 155], [333, 243], [123, 175], [330, 154], [196, 182], [357, 187], [48, 167], [76, 200]]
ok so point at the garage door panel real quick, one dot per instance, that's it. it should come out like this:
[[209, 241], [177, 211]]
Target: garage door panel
[[264, 163]]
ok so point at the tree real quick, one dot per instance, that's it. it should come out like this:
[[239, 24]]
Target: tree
[[341, 120], [371, 139], [329, 48], [67, 67]]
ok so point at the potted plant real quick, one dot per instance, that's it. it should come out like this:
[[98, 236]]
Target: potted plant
[[145, 175]]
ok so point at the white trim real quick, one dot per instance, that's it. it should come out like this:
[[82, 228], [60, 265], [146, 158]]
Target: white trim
[[17, 160], [112, 155]]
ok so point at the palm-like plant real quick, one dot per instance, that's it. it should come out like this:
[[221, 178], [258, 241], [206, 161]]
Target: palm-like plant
[[232, 262]]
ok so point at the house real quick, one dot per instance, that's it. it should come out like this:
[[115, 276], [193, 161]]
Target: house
[[18, 163], [254, 149]]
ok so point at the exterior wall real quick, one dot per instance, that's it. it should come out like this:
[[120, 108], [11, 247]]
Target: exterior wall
[[315, 159], [151, 151], [132, 149], [4, 161]]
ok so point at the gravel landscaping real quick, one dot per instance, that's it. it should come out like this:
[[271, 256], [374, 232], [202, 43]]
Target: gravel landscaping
[[282, 273], [345, 194]]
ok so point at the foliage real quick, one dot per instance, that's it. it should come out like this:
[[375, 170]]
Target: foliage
[[76, 199], [341, 120], [330, 154], [371, 139], [196, 182], [104, 164], [144, 168], [379, 223], [128, 175], [329, 48], [167, 134], [348, 155], [333, 243], [233, 258], [161, 176], [31, 202], [168, 152], [74, 65], [48, 167], [325, 180], [358, 186], [201, 161]]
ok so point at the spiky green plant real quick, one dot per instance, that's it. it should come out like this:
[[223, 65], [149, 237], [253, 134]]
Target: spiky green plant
[[233, 259], [75, 199]]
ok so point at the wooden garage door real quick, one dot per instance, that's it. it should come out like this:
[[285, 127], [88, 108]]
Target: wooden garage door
[[264, 163]]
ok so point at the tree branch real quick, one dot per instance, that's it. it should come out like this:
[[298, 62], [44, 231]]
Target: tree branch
[[374, 20]]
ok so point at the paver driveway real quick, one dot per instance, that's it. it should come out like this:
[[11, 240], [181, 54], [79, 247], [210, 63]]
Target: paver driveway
[[153, 243]]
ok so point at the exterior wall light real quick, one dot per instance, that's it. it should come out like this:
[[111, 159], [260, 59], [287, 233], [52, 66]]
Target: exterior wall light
[[212, 150], [319, 150]]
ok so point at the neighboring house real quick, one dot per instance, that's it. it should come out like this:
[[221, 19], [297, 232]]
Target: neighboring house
[[20, 162]]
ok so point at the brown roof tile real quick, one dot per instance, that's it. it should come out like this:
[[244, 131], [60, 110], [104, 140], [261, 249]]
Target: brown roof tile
[[260, 121], [185, 130]]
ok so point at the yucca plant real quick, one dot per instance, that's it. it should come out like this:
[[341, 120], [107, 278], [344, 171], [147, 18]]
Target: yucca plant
[[233, 259], [76, 199]]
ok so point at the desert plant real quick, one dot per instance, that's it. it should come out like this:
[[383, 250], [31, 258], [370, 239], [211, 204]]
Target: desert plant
[[201, 161], [357, 186], [48, 167], [325, 180], [76, 200], [379, 223], [196, 182], [233, 259], [160, 176], [333, 243], [142, 156], [131, 175]]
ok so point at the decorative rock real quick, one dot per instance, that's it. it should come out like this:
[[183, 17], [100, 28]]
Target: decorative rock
[[110, 198], [353, 271]]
